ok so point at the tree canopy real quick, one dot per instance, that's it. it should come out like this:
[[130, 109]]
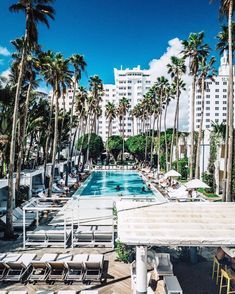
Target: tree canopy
[[96, 145]]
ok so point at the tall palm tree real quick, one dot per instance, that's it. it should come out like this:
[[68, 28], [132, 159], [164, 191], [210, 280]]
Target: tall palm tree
[[176, 69], [206, 72], [222, 46], [162, 86], [55, 70], [194, 49], [79, 65], [122, 110], [35, 11], [227, 9], [110, 113]]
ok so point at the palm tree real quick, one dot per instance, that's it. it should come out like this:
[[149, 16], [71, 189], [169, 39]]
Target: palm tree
[[162, 86], [122, 110], [93, 103], [226, 41], [110, 113], [35, 11], [176, 69], [55, 70], [195, 50], [79, 65], [206, 72], [223, 46]]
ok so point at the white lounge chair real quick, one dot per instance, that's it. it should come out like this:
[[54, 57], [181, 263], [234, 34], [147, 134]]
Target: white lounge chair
[[172, 285], [18, 292], [67, 292], [17, 269], [11, 257], [58, 267], [40, 269], [94, 267], [103, 235], [84, 234], [76, 267]]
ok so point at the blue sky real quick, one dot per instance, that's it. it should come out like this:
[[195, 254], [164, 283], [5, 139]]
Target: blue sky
[[111, 33]]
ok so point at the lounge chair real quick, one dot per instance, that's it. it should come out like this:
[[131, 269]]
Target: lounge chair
[[165, 267], [18, 223], [58, 267], [89, 292], [18, 212], [84, 234], [94, 267], [76, 267], [103, 234], [11, 257], [17, 269], [3, 292], [172, 285], [40, 269]]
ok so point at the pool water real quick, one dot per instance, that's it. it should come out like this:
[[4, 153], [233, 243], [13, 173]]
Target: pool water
[[104, 183]]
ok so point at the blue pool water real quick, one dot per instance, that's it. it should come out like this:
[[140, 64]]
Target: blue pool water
[[103, 183]]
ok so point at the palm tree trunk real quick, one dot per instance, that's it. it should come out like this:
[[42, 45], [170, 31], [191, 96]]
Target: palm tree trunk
[[9, 232], [22, 140], [226, 150], [230, 98], [191, 159], [166, 147], [54, 150], [197, 167], [175, 123], [123, 140], [152, 139], [48, 132]]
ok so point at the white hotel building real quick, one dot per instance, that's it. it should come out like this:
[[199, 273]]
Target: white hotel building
[[215, 98], [131, 84]]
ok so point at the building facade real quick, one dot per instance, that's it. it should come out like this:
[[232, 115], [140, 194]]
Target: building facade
[[132, 84], [215, 110]]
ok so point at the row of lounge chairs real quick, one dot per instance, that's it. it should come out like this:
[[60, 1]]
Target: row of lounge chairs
[[114, 167], [51, 267]]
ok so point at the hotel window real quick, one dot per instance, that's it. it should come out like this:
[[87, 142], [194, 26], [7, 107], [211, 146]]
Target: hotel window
[[199, 102], [224, 114], [216, 96], [198, 108], [208, 96], [198, 120], [224, 96], [208, 120], [224, 120], [224, 90], [129, 88], [217, 83], [207, 102], [216, 120], [224, 108], [208, 90], [207, 108], [198, 96], [224, 83], [216, 108], [216, 90], [224, 102], [216, 114], [199, 114], [207, 126], [198, 126], [216, 102], [207, 114]]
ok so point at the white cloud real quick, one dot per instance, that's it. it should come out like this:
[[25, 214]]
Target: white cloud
[[6, 73], [4, 51], [158, 67]]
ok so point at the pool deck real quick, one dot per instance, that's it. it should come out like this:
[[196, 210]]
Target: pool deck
[[194, 279]]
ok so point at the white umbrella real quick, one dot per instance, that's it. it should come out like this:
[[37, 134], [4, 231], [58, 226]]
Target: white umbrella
[[195, 184], [172, 173]]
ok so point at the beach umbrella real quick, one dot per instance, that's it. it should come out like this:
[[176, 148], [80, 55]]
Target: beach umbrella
[[172, 173], [195, 184]]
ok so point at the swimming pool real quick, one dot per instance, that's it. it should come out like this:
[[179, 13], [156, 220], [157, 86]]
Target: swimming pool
[[104, 183]]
